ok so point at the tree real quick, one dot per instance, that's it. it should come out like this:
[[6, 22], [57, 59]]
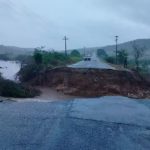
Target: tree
[[123, 57], [75, 53], [101, 53], [138, 54], [38, 56], [110, 59]]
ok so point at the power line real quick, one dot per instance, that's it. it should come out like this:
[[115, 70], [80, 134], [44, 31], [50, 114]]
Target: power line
[[65, 39]]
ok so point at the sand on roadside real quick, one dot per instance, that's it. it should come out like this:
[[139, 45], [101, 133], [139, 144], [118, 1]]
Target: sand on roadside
[[47, 95]]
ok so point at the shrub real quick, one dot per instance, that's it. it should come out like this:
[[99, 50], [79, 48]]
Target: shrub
[[75, 53], [111, 59], [49, 59], [28, 72], [102, 54], [38, 58], [11, 89]]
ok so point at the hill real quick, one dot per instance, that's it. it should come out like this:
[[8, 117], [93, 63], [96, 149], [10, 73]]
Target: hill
[[129, 46], [14, 51], [110, 49]]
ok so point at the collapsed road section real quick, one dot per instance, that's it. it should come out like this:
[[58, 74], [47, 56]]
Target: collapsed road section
[[90, 82]]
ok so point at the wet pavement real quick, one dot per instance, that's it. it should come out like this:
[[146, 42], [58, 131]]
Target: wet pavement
[[95, 62], [107, 123]]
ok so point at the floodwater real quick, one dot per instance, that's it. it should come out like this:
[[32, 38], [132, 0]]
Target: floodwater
[[9, 69]]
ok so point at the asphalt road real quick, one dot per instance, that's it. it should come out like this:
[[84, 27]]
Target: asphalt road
[[94, 63], [108, 123]]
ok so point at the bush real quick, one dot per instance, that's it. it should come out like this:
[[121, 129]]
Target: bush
[[28, 72], [75, 56], [11, 89], [102, 54], [4, 57], [44, 59], [38, 57], [75, 53], [111, 59]]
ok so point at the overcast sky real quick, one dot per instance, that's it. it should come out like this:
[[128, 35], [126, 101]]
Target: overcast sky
[[89, 23]]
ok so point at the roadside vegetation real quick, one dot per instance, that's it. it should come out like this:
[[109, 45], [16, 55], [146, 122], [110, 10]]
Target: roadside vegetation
[[135, 61], [10, 88], [43, 60], [4, 57], [31, 66], [16, 90]]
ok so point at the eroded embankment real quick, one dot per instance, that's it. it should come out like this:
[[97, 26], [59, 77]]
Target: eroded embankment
[[94, 82]]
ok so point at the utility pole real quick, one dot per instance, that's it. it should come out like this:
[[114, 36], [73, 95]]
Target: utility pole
[[116, 39], [65, 39], [84, 53]]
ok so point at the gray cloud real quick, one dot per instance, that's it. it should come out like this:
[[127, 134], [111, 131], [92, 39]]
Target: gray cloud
[[31, 23]]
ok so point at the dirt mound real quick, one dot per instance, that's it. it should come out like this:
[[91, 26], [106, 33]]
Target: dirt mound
[[94, 82]]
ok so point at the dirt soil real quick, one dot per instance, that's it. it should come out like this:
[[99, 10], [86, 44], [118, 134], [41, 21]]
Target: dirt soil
[[94, 82]]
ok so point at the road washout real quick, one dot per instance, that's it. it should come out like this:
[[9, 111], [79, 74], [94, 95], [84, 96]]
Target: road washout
[[94, 82]]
